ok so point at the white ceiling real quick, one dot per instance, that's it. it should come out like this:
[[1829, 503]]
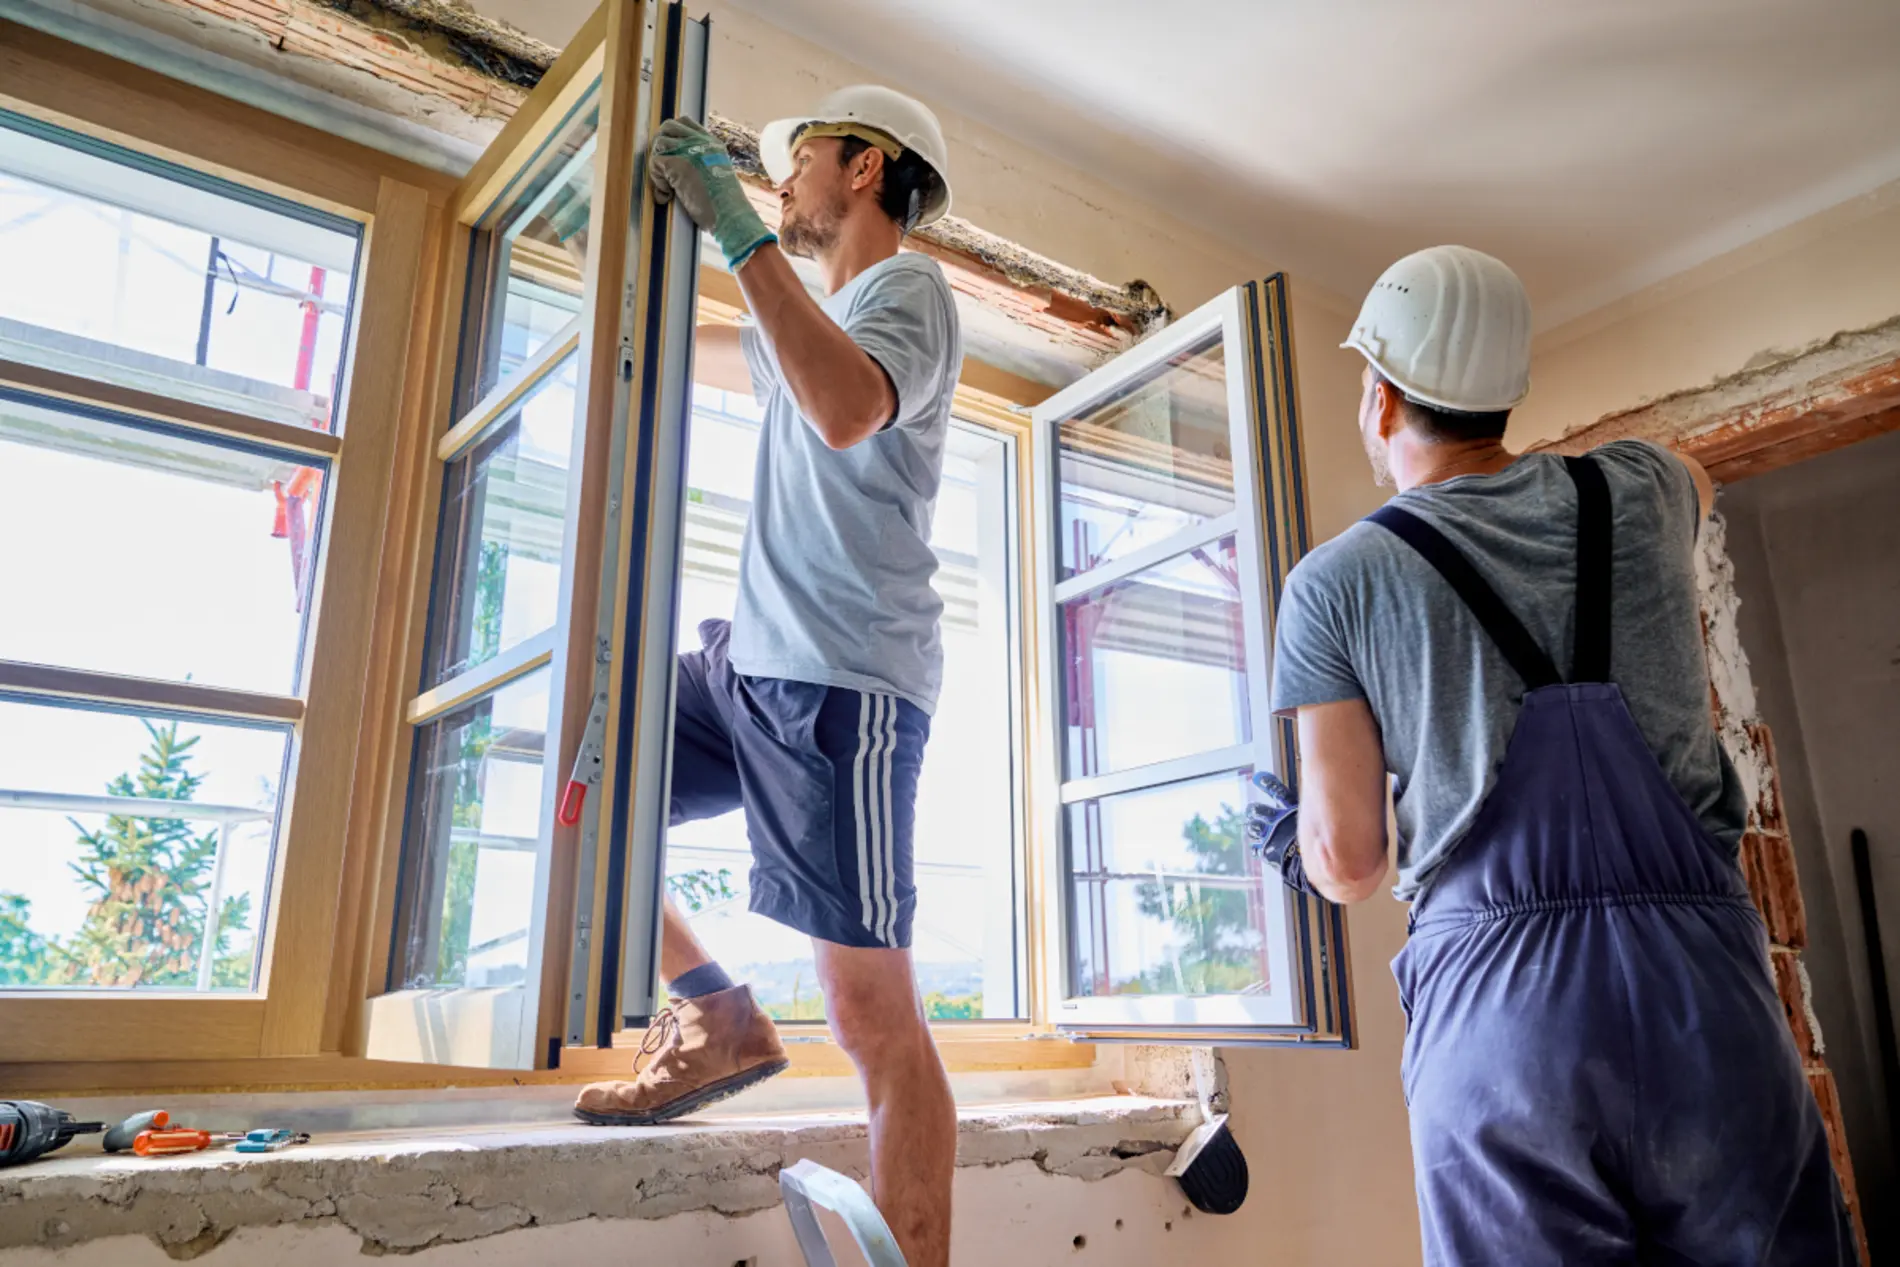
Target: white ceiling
[[1596, 145]]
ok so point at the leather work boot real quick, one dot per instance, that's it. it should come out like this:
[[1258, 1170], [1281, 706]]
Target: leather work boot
[[697, 1052]]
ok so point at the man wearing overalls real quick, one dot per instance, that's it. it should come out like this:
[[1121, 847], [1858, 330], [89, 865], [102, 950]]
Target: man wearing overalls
[[1596, 1063]]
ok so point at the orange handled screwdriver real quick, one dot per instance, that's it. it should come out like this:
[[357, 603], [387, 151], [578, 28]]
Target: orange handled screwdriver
[[179, 1139]]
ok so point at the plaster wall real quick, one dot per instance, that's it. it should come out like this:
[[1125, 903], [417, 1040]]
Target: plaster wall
[[1814, 547], [1835, 271]]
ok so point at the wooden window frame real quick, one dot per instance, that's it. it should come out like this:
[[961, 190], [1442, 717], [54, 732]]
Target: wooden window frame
[[400, 208], [337, 860]]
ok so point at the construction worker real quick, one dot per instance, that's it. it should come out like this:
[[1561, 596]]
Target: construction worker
[[811, 709], [1596, 1064]]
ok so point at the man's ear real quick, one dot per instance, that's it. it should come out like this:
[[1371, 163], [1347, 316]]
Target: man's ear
[[867, 167], [1391, 410]]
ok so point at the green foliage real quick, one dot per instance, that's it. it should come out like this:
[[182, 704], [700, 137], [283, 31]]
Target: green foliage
[[23, 953], [148, 879], [1219, 949], [697, 890], [953, 1007], [491, 580]]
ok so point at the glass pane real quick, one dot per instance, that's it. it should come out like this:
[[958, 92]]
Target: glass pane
[[1167, 897], [170, 898], [498, 569], [1153, 459], [1156, 665], [965, 943], [138, 552], [120, 272], [469, 851], [540, 250]]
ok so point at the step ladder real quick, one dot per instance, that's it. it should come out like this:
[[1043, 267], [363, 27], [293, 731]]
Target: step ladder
[[806, 1184]]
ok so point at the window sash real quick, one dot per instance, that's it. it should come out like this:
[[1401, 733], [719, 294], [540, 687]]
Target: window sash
[[1259, 402]]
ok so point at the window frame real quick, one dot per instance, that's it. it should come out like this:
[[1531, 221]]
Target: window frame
[[1252, 323], [106, 102], [338, 854]]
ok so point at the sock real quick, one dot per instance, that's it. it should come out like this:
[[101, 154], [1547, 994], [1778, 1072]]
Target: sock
[[708, 978]]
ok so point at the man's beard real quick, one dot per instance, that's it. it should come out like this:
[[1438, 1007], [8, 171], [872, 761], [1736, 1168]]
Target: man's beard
[[810, 234], [1381, 469]]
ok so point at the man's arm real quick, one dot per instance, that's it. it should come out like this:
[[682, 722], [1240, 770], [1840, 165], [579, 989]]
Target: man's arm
[[839, 387], [1704, 486], [719, 359], [1342, 800]]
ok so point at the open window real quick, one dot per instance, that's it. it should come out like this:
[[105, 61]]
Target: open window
[[559, 463], [1171, 506]]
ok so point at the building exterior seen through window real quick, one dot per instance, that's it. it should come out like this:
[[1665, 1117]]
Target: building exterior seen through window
[[136, 549]]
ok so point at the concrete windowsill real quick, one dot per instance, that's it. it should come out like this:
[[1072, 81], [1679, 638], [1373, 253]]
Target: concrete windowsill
[[407, 1188]]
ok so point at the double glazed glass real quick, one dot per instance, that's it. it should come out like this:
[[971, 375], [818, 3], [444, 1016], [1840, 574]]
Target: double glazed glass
[[468, 900], [1152, 459], [135, 848], [126, 270], [157, 556], [967, 934], [466, 916], [1167, 897], [1156, 663], [504, 507], [534, 251], [153, 553]]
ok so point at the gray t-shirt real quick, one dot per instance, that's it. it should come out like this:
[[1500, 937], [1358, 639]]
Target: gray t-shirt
[[834, 573], [1365, 617]]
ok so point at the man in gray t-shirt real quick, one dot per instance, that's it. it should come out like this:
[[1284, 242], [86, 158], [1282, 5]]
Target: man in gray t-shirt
[[1517, 641], [809, 711]]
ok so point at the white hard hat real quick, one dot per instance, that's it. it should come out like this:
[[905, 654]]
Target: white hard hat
[[907, 121], [1449, 327]]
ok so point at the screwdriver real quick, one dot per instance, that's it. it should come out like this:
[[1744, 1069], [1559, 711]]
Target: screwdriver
[[180, 1139]]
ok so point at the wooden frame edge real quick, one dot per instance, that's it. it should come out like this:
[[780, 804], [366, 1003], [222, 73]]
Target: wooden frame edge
[[570, 78], [213, 423], [52, 682], [299, 965]]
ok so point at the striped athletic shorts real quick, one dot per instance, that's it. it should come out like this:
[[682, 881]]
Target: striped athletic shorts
[[827, 777]]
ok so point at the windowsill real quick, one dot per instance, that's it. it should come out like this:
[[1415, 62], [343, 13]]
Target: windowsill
[[406, 1187]]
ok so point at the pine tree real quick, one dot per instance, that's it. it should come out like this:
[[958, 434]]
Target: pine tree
[[148, 877], [24, 957], [1220, 951]]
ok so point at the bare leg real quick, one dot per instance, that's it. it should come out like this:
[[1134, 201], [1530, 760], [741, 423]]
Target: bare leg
[[680, 951], [871, 1000]]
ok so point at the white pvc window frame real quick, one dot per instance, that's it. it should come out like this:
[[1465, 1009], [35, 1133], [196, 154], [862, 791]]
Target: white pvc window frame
[[1284, 1004]]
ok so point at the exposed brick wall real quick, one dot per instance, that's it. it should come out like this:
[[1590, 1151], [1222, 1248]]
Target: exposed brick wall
[[1768, 864]]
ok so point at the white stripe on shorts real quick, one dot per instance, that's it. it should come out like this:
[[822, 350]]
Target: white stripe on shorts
[[857, 799], [889, 935]]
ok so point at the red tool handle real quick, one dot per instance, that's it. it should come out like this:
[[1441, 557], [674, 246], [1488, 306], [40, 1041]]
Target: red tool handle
[[178, 1139], [572, 798]]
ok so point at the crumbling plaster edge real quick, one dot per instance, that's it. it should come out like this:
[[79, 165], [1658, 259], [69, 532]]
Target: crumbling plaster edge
[[402, 1195]]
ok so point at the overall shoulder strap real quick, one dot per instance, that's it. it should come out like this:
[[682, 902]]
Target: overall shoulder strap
[[1519, 649], [1591, 654]]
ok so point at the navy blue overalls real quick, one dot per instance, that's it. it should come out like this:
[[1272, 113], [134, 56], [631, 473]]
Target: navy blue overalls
[[1596, 1063]]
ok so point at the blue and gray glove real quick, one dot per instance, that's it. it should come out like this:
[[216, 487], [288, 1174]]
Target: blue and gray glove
[[689, 163], [1273, 830]]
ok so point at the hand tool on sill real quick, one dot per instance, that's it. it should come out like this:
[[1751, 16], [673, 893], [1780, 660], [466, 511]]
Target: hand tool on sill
[[269, 1141], [29, 1129], [118, 1139], [180, 1139]]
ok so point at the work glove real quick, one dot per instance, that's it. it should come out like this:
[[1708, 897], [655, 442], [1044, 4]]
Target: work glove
[[688, 162], [1273, 830]]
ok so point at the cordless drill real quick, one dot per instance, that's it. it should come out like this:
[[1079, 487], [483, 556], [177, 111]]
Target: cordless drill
[[29, 1129]]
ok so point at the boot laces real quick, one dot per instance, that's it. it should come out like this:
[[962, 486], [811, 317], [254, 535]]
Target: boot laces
[[664, 1029]]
